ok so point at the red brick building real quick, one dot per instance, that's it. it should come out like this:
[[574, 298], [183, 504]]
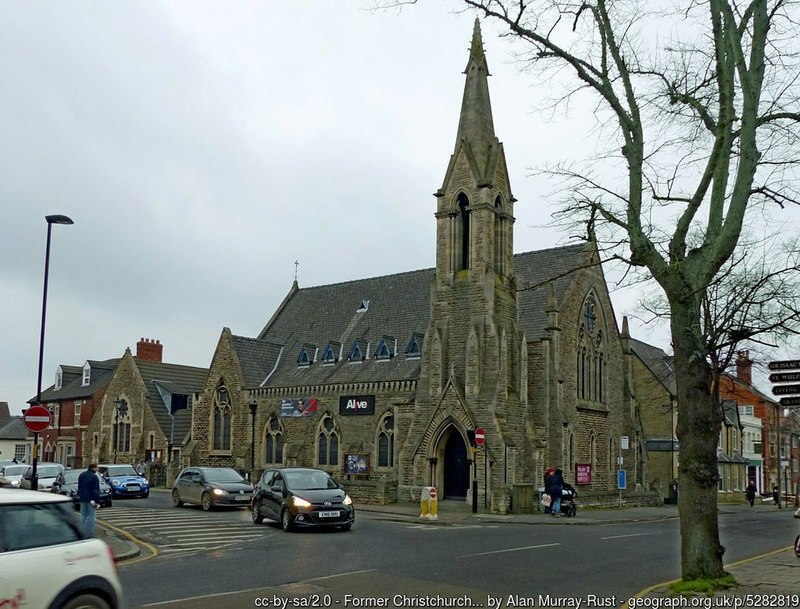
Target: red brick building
[[74, 398], [777, 429]]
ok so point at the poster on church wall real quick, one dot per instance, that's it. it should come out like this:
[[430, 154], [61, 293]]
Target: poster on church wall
[[357, 404], [301, 407], [356, 464], [583, 473]]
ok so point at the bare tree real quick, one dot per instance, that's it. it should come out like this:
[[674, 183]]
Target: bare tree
[[704, 122]]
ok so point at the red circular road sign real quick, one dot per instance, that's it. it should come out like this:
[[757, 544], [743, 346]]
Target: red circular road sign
[[37, 418], [480, 436]]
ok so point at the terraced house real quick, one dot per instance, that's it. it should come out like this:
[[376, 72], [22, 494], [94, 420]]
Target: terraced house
[[383, 380]]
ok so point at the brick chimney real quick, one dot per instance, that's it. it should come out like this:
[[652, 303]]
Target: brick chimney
[[744, 368], [149, 350]]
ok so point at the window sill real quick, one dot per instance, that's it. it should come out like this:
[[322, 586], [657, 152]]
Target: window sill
[[593, 406], [220, 453]]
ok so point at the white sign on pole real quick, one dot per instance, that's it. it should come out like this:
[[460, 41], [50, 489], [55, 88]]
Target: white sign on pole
[[624, 442]]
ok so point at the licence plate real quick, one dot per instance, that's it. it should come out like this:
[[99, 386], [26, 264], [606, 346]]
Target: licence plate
[[242, 497], [329, 514], [133, 488]]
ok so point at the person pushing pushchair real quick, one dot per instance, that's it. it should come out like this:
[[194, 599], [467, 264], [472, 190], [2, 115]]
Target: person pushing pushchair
[[568, 495]]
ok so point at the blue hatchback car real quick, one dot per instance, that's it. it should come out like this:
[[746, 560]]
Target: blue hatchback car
[[124, 480]]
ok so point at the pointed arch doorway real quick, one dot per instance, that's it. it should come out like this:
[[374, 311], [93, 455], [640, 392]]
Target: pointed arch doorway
[[455, 470]]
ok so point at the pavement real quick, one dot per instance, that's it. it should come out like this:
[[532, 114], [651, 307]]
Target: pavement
[[768, 580]]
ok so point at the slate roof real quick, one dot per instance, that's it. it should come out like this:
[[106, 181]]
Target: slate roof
[[534, 272], [164, 380], [72, 377], [730, 413], [659, 363], [13, 429], [257, 358], [399, 305]]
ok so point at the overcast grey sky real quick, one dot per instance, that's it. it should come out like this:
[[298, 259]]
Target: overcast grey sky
[[202, 147]]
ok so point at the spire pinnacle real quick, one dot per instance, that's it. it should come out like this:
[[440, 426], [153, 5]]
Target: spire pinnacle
[[476, 50], [476, 126]]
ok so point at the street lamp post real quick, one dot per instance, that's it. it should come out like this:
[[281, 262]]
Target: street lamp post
[[253, 408], [120, 411], [54, 219]]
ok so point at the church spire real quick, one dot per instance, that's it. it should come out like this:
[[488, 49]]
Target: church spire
[[475, 125]]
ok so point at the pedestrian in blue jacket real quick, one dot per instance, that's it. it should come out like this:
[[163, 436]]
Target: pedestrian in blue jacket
[[89, 496]]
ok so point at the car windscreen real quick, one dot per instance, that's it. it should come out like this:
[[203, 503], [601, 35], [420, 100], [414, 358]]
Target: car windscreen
[[13, 470], [48, 471], [306, 481], [71, 477], [121, 470], [221, 475]]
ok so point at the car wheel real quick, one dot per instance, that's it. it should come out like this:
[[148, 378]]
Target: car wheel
[[146, 495], [205, 502], [86, 601], [109, 503], [286, 520], [176, 498], [257, 517]]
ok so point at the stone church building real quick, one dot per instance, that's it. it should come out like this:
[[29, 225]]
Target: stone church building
[[383, 381]]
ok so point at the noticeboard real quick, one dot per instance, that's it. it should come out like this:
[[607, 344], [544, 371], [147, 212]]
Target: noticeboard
[[583, 473], [356, 464]]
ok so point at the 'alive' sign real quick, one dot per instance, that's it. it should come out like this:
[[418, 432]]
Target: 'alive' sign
[[356, 404]]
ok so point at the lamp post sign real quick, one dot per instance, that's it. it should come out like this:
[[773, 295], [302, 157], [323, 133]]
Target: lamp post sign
[[790, 364]]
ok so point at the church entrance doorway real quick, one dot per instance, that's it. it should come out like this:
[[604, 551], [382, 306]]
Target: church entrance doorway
[[456, 468]]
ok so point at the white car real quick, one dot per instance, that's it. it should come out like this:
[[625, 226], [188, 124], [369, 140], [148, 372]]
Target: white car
[[46, 559], [46, 473], [13, 472]]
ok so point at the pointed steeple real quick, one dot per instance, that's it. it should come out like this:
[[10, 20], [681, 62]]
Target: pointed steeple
[[475, 125]]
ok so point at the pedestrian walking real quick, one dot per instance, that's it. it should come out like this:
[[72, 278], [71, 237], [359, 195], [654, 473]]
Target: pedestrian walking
[[556, 486], [548, 509], [776, 496], [750, 492], [89, 497]]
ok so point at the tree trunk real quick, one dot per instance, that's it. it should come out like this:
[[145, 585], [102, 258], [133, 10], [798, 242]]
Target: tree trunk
[[698, 427]]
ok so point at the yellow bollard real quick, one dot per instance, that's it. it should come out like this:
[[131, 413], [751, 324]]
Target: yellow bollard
[[428, 504]]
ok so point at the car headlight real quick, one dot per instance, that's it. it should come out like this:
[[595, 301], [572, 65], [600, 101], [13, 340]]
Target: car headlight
[[15, 483], [115, 482], [219, 491], [347, 500], [300, 502]]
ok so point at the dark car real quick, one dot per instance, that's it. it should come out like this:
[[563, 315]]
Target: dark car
[[67, 484], [299, 496], [211, 487], [125, 481]]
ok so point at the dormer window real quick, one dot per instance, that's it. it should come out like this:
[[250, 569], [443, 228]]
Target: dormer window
[[384, 351], [303, 360], [59, 379], [414, 347], [331, 353], [87, 375], [363, 307], [358, 352]]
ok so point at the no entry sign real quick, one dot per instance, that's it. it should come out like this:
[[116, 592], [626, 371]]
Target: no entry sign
[[37, 418], [480, 436]]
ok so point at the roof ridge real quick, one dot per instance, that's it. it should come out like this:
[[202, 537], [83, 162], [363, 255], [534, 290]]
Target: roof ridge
[[184, 366]]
